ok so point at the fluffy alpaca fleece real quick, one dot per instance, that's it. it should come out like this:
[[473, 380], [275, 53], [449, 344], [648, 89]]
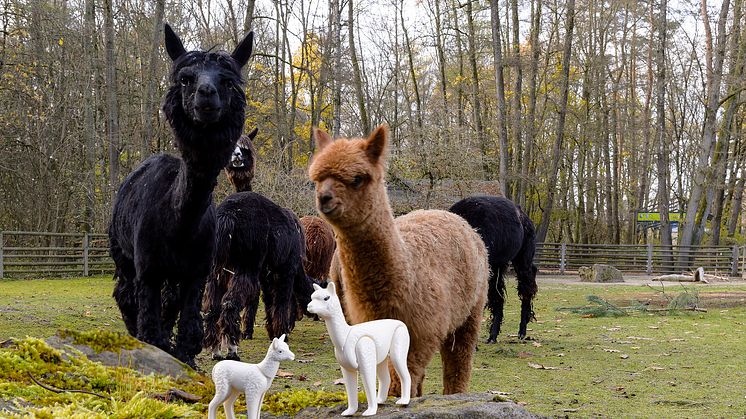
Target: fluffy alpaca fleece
[[509, 236], [427, 268], [162, 231], [320, 246]]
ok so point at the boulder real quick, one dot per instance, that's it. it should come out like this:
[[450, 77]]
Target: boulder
[[455, 406], [600, 273], [146, 359]]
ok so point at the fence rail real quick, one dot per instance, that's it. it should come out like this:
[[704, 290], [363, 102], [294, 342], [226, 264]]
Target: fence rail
[[25, 253]]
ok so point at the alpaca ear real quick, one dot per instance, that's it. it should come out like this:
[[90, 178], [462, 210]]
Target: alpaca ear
[[322, 138], [331, 288], [242, 53], [376, 145], [253, 133], [316, 287], [282, 338], [174, 47]]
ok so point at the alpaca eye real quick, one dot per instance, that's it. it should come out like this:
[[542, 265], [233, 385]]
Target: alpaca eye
[[185, 80], [326, 298], [357, 181]]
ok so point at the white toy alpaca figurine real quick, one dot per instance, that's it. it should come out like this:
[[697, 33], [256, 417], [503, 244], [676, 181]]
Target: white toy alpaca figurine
[[233, 377], [364, 347]]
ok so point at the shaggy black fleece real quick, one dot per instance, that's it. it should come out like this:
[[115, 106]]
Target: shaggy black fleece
[[509, 236], [260, 247], [162, 232]]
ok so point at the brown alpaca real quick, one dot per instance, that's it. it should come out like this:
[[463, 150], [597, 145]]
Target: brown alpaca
[[427, 268], [320, 246]]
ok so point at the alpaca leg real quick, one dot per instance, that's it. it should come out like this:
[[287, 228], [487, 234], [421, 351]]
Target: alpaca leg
[[365, 351], [278, 303], [398, 355], [250, 307], [384, 381], [496, 301], [222, 393], [527, 289], [169, 308], [230, 317], [350, 378], [214, 291], [457, 352], [189, 338], [149, 315], [253, 405], [125, 296], [229, 403]]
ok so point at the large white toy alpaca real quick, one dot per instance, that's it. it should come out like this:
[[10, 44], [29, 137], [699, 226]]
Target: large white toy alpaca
[[364, 347], [233, 377]]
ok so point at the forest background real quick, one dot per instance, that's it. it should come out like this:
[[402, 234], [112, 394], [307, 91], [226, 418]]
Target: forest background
[[585, 113]]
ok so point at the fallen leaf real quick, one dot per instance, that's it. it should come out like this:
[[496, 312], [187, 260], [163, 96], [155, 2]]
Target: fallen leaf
[[308, 354], [536, 344], [305, 361], [676, 340], [540, 367], [302, 378], [339, 382], [500, 393], [560, 354], [612, 350], [284, 374], [525, 355], [656, 368], [653, 327], [316, 383], [624, 356]]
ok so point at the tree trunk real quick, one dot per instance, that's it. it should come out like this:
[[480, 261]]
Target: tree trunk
[[150, 111], [556, 155], [112, 106], [531, 121], [500, 86], [248, 20], [662, 161], [702, 170], [412, 73], [356, 78], [517, 100]]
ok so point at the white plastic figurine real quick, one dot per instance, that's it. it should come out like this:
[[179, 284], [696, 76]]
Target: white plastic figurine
[[364, 347], [233, 377]]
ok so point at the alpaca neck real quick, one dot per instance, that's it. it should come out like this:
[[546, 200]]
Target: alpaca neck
[[268, 367], [337, 327], [193, 191], [373, 250]]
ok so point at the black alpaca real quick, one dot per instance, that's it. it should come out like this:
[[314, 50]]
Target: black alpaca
[[509, 236], [162, 231], [260, 247]]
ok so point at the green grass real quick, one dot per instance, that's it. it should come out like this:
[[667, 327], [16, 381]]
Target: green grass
[[644, 365]]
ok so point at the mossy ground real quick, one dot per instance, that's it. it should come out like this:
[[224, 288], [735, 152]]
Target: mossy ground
[[650, 365]]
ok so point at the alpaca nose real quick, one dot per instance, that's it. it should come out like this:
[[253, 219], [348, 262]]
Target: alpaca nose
[[325, 198], [206, 89]]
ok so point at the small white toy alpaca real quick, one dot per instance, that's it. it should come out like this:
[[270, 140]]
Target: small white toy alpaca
[[364, 347], [233, 377]]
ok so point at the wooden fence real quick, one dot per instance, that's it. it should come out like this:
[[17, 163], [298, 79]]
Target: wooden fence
[[25, 253]]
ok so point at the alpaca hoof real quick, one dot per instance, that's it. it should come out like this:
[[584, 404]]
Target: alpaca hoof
[[247, 335], [233, 356], [370, 411], [490, 340], [190, 362], [403, 401], [349, 412], [217, 357]]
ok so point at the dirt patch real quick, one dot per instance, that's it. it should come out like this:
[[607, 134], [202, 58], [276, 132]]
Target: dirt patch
[[713, 299]]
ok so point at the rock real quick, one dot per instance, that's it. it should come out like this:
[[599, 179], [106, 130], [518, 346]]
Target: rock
[[456, 406], [600, 273], [147, 359]]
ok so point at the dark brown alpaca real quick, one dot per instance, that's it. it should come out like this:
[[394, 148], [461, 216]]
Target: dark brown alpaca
[[320, 246], [427, 268]]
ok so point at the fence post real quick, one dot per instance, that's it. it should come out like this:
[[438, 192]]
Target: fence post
[[734, 262], [2, 264], [563, 254], [85, 254], [650, 259]]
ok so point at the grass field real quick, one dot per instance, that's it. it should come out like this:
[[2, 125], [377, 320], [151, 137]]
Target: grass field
[[681, 364]]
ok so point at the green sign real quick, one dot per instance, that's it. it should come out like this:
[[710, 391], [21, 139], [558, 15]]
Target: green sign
[[656, 216]]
